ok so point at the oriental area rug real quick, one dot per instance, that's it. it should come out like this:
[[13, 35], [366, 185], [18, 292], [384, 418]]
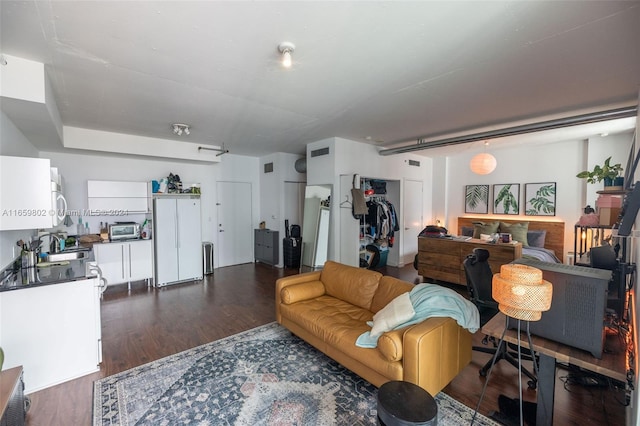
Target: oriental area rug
[[263, 376]]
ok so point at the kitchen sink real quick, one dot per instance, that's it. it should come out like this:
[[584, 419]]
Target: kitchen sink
[[66, 255]]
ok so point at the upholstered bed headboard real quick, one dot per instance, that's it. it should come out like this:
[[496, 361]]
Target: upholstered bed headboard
[[555, 230]]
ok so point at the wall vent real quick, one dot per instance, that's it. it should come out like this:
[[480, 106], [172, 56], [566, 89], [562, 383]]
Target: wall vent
[[268, 167], [319, 152], [414, 163]]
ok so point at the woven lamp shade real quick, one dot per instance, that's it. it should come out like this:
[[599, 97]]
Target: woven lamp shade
[[483, 164], [521, 292]]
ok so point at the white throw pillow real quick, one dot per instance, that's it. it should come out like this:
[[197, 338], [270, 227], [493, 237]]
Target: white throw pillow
[[399, 310]]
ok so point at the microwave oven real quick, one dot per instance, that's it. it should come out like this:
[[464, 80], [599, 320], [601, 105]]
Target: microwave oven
[[124, 231]]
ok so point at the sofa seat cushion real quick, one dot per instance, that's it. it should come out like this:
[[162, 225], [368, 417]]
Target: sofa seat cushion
[[320, 315]]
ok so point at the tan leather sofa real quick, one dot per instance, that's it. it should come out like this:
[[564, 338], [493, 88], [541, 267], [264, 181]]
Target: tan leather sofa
[[329, 309]]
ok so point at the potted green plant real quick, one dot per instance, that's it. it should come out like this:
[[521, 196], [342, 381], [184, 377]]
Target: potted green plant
[[607, 173]]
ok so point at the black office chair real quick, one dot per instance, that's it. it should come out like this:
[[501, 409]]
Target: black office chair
[[479, 277]]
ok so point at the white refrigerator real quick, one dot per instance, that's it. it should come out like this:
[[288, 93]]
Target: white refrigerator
[[177, 238]]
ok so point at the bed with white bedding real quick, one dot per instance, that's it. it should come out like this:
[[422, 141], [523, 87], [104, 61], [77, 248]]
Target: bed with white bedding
[[544, 239]]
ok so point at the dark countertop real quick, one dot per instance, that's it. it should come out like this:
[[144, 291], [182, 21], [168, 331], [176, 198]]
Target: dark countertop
[[39, 276]]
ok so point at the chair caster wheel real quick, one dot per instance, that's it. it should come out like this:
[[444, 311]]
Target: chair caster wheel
[[532, 384]]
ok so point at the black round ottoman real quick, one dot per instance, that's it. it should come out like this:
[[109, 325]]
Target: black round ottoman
[[403, 403]]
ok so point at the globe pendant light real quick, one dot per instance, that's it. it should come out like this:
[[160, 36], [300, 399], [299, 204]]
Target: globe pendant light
[[483, 163]]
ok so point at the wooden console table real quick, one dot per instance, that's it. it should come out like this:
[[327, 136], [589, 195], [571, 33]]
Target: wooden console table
[[441, 258], [611, 365], [12, 409]]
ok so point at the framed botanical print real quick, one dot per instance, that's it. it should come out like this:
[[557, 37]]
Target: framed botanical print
[[506, 198], [540, 199], [476, 199]]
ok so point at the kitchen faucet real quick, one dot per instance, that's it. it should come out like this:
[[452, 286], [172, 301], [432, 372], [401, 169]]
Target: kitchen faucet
[[54, 246]]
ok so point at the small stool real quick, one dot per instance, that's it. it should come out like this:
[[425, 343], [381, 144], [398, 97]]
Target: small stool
[[402, 403]]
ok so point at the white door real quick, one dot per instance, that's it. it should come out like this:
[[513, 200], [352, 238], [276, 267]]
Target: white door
[[235, 231], [165, 238], [412, 218], [110, 259], [189, 239], [140, 260]]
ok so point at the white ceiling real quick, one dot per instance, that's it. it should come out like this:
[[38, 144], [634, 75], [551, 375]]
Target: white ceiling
[[388, 71]]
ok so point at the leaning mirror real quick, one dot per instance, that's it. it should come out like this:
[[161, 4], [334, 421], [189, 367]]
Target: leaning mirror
[[315, 227]]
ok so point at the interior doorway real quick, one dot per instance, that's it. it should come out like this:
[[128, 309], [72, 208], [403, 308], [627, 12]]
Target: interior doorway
[[234, 229], [412, 218]]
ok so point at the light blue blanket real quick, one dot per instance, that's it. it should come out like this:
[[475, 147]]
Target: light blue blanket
[[430, 300]]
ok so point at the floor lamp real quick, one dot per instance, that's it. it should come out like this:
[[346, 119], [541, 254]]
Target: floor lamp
[[521, 294]]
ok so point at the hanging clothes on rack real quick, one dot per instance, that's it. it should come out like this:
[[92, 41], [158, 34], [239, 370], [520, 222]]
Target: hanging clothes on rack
[[381, 219]]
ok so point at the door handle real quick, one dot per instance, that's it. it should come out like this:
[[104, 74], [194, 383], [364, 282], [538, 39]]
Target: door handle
[[221, 230], [406, 229]]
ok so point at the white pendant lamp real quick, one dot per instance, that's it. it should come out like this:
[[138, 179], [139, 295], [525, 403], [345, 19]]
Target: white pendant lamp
[[483, 163]]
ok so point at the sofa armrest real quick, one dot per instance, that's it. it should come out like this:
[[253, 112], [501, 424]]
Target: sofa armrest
[[303, 291], [435, 351], [291, 280]]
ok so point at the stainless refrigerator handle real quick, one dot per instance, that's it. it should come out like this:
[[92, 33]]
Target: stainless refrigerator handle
[[177, 229]]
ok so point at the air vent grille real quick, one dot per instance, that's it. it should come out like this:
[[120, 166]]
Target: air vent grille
[[414, 163], [319, 152], [268, 167]]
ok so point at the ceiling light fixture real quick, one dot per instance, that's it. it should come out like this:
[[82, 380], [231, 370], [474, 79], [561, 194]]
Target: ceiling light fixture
[[483, 163], [286, 48], [179, 129]]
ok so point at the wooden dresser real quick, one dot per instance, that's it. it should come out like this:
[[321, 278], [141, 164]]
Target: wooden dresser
[[441, 258]]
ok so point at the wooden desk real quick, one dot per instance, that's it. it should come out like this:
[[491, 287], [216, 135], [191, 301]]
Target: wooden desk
[[611, 365]]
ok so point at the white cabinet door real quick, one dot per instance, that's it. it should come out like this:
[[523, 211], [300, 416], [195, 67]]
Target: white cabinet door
[[140, 259], [110, 258], [25, 193], [166, 240], [189, 239], [126, 261], [51, 331], [113, 197]]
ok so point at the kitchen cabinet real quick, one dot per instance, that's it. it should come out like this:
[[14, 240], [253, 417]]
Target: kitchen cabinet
[[25, 193], [53, 331], [177, 237], [113, 197], [266, 247], [124, 262]]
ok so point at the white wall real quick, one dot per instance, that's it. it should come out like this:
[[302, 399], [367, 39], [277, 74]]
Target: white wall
[[13, 143]]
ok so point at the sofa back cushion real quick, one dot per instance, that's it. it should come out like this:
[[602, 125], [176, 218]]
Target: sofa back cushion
[[354, 285], [388, 289]]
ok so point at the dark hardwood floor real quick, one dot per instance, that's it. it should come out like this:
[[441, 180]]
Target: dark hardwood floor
[[147, 324]]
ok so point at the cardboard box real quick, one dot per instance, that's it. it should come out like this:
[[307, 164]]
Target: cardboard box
[[609, 201], [608, 215]]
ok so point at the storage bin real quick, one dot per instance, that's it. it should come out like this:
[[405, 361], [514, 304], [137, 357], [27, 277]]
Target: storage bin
[[207, 257]]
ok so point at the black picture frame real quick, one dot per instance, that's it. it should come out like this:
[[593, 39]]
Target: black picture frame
[[476, 199], [506, 198], [540, 199]]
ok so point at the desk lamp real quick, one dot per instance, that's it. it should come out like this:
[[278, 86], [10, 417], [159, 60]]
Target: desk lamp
[[521, 294]]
